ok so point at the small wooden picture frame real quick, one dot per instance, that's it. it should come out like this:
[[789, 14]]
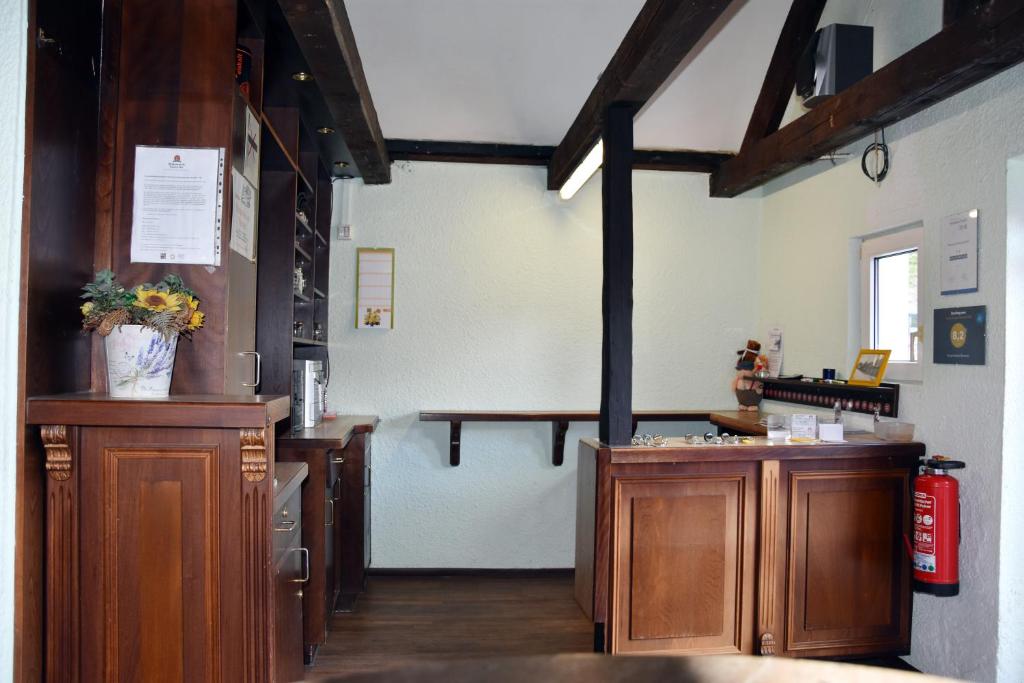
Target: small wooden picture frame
[[869, 368]]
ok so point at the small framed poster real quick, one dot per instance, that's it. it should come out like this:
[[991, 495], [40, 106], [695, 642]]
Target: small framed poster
[[375, 289], [960, 335], [869, 368], [958, 272]]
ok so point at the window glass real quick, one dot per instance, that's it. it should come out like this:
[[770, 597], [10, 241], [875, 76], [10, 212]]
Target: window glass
[[895, 310]]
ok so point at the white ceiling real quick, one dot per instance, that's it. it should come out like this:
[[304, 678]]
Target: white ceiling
[[518, 71]]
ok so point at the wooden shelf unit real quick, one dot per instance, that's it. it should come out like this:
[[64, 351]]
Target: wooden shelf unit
[[294, 213]]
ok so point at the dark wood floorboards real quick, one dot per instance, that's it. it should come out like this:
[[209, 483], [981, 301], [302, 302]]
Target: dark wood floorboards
[[404, 619]]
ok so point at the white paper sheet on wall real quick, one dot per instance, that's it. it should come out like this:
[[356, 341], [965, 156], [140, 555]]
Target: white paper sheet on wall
[[177, 205], [959, 270], [375, 288], [243, 216], [774, 351]]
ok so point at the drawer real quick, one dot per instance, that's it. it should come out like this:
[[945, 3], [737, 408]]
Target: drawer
[[286, 529]]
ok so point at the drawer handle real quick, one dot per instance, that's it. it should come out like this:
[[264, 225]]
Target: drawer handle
[[305, 564], [330, 518], [338, 461], [286, 525]]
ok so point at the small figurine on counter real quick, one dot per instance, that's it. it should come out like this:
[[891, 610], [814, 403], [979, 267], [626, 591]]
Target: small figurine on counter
[[751, 368]]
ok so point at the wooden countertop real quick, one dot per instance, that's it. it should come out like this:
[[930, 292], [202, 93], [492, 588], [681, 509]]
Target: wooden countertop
[[334, 433], [739, 420], [760, 448], [178, 410], [556, 415], [288, 476]]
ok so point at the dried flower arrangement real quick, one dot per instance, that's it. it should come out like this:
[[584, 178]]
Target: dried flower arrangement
[[168, 307]]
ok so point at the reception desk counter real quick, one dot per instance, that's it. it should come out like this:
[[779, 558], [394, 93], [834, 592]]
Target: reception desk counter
[[756, 548]]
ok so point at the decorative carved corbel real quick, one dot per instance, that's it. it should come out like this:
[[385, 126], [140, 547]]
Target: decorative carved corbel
[[254, 454], [58, 452], [767, 644]]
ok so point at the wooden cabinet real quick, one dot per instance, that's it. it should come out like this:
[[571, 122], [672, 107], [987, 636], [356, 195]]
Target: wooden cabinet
[[683, 562], [847, 576], [335, 507], [291, 571], [160, 541], [792, 550]]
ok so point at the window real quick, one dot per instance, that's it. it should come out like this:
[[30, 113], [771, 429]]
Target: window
[[891, 300]]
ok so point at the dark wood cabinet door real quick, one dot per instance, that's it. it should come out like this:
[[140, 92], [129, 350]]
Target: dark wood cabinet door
[[683, 562], [848, 575], [288, 664]]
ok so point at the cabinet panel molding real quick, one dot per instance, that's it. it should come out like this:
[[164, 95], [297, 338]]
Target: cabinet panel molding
[[682, 564], [847, 575]]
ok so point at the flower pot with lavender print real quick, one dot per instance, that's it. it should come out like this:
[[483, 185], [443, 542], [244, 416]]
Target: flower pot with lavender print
[[139, 362]]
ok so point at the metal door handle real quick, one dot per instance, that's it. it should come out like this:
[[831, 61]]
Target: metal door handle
[[305, 554], [338, 461], [286, 525], [330, 518], [259, 363]]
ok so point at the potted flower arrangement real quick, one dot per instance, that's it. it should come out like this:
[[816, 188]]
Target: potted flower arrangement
[[140, 328]]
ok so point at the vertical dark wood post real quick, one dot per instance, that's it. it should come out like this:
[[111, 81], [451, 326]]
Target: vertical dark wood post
[[616, 422]]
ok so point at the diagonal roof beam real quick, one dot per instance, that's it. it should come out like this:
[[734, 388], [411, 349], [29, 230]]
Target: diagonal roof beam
[[801, 22], [662, 35], [975, 47], [324, 35]]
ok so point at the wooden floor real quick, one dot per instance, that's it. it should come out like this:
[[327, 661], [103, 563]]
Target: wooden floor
[[404, 619]]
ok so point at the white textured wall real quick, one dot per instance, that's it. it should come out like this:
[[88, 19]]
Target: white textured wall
[[498, 306], [949, 158], [13, 30], [1011, 535]]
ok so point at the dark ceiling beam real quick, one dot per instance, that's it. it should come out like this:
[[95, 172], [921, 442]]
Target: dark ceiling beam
[[662, 35], [975, 47], [539, 155], [324, 35], [678, 160], [469, 152], [801, 23]]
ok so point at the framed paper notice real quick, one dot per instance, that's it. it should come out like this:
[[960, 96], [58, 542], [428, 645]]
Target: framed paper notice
[[375, 288], [958, 272], [177, 205]]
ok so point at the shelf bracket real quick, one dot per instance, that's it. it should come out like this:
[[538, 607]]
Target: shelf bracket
[[558, 430], [455, 439]]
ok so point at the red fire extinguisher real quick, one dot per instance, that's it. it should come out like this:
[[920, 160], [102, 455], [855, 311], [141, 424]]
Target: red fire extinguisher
[[937, 528]]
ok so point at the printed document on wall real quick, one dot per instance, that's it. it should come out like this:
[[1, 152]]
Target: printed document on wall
[[243, 216], [958, 272], [177, 205], [375, 288]]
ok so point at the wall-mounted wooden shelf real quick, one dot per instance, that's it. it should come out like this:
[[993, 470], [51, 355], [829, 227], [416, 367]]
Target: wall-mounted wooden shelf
[[559, 424], [302, 341], [854, 398]]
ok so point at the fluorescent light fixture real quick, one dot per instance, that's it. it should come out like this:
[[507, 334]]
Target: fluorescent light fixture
[[973, 213], [582, 174]]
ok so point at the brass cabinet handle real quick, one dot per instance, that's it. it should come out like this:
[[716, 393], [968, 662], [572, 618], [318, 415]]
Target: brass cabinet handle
[[330, 518], [286, 525], [305, 555]]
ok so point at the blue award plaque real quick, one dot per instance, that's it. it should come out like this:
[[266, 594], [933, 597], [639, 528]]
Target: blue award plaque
[[960, 335]]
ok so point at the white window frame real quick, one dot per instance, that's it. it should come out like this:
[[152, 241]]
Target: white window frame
[[876, 246]]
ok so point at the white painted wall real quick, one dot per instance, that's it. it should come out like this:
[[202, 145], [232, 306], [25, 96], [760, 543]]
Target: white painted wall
[[498, 306], [948, 159], [1011, 534], [13, 30]]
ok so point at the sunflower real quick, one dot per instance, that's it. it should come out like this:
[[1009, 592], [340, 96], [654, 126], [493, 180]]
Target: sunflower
[[191, 301], [195, 321], [155, 300]]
